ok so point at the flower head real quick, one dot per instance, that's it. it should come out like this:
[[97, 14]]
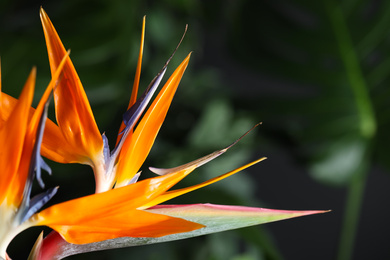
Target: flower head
[[123, 211]]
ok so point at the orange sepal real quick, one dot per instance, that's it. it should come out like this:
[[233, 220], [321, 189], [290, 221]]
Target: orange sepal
[[12, 136], [133, 223], [16, 188], [136, 148], [54, 145], [134, 92], [73, 111], [114, 213]]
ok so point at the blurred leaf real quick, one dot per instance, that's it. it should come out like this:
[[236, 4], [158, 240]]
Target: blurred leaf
[[214, 125], [341, 159]]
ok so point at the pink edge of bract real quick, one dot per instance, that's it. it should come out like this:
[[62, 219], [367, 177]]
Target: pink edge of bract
[[199, 208]]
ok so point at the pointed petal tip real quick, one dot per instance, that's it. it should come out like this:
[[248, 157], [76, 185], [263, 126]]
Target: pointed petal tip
[[45, 20], [311, 212], [42, 13], [323, 211]]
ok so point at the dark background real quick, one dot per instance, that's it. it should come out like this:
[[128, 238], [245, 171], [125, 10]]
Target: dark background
[[294, 65]]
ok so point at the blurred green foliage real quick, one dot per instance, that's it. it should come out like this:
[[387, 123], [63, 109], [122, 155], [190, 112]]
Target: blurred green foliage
[[316, 73], [336, 55]]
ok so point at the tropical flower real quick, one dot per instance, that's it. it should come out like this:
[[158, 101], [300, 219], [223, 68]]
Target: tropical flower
[[123, 211]]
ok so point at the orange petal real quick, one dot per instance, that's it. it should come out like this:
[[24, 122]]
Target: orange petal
[[12, 136], [136, 149], [17, 186], [34, 121], [134, 91], [135, 223], [54, 145], [114, 213], [113, 201], [73, 111], [175, 193]]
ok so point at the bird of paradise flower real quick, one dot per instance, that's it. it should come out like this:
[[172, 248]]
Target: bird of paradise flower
[[123, 211]]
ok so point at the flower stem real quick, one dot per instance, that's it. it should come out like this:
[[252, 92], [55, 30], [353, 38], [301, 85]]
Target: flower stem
[[351, 215], [367, 125], [353, 70]]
